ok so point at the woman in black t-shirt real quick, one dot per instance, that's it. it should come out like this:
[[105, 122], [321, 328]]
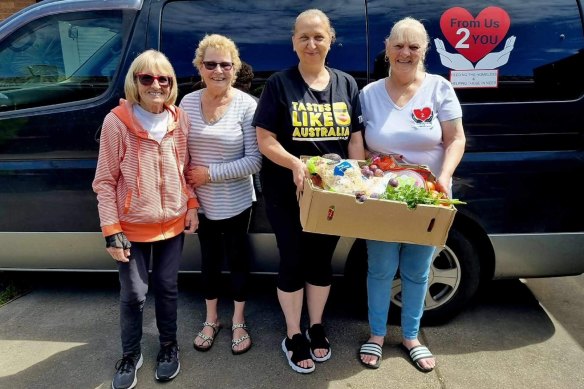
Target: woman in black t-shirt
[[309, 109]]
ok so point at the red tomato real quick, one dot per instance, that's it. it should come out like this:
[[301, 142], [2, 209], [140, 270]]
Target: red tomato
[[386, 163]]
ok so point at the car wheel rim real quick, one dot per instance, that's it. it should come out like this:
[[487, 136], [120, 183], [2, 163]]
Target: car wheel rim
[[443, 281]]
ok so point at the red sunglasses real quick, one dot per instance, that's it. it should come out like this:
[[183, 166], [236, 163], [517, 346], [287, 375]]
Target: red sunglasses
[[148, 79]]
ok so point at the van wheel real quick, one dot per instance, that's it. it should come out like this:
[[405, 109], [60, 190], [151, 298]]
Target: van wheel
[[453, 281]]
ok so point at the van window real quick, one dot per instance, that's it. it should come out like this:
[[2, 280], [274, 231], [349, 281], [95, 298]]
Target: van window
[[60, 58], [546, 42], [263, 36]]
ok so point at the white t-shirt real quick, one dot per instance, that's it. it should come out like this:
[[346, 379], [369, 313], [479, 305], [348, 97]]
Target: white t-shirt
[[413, 130], [155, 123]]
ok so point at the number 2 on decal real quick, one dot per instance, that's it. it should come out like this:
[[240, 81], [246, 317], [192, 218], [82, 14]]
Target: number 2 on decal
[[461, 43]]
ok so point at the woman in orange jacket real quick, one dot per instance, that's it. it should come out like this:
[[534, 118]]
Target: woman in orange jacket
[[145, 206]]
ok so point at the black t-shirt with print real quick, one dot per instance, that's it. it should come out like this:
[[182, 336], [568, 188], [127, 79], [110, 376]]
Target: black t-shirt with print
[[306, 121]]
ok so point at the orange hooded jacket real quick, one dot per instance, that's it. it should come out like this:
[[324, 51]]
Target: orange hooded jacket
[[140, 184]]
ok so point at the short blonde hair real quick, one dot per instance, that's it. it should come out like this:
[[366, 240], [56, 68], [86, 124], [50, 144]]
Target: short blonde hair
[[318, 14], [149, 61], [405, 29], [222, 44]]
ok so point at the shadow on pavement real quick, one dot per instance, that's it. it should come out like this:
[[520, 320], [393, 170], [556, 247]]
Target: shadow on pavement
[[504, 315], [65, 334], [563, 298]]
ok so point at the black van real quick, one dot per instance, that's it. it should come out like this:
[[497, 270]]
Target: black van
[[517, 67]]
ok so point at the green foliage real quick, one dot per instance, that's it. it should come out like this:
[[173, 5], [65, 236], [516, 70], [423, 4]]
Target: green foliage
[[410, 194], [8, 291], [407, 192], [8, 294]]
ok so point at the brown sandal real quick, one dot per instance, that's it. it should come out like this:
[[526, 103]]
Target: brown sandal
[[207, 339], [235, 342]]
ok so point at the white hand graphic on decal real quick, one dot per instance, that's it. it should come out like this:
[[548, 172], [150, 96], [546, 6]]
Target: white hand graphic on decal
[[452, 60], [495, 60], [457, 61]]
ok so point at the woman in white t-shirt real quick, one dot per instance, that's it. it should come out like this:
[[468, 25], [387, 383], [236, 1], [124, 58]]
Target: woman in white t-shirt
[[417, 115]]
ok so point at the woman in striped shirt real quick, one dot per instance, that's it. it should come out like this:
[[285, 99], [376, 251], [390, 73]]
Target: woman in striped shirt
[[225, 154]]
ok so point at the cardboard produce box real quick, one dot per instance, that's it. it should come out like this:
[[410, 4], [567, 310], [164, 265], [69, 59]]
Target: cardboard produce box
[[341, 214]]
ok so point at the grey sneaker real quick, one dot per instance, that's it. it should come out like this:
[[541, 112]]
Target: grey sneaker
[[167, 364], [126, 368]]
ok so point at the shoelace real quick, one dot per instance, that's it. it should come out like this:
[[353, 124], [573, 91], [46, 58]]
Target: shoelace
[[125, 364], [167, 353]]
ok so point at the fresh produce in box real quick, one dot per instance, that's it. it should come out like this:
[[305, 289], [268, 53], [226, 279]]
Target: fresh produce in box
[[342, 176], [416, 178], [380, 177], [406, 188], [385, 162]]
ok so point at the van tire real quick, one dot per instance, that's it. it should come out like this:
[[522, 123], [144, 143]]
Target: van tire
[[461, 258]]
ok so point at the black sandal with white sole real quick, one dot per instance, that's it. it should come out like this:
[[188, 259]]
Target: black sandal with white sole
[[318, 340], [300, 349]]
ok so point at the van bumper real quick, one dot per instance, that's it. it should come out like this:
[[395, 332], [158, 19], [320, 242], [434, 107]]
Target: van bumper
[[538, 255]]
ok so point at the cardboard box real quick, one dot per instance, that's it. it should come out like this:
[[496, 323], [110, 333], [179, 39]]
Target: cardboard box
[[341, 214]]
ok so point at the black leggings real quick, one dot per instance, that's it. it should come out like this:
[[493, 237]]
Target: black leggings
[[219, 238], [304, 257]]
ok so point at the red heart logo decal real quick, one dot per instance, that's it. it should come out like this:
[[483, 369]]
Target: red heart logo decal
[[475, 37], [423, 114]]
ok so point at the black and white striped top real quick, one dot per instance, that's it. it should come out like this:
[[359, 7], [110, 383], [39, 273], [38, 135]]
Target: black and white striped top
[[229, 148]]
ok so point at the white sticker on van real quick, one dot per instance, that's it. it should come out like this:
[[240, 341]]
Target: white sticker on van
[[474, 39]]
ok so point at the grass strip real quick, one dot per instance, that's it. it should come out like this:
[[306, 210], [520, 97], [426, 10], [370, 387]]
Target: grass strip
[[10, 290]]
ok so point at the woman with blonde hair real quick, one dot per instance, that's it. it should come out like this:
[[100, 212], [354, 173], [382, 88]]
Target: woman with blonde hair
[[225, 155], [144, 206], [417, 115]]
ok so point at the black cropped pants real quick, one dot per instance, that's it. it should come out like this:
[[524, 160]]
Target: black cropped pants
[[225, 238], [304, 257]]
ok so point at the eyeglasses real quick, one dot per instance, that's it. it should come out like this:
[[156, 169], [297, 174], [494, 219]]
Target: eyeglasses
[[211, 65], [148, 79]]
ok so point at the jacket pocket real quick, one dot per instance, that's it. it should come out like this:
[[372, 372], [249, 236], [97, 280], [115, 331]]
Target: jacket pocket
[[128, 202]]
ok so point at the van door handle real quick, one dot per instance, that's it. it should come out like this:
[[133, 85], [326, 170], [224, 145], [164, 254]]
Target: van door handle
[[97, 135]]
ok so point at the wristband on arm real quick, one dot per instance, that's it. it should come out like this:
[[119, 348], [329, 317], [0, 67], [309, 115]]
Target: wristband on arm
[[118, 241]]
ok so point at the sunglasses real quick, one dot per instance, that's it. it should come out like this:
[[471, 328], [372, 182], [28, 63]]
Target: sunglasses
[[211, 65], [148, 79]]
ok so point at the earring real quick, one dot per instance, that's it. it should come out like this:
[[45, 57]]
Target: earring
[[386, 58]]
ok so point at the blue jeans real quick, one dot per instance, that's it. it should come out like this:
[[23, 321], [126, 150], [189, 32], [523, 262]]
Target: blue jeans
[[414, 263]]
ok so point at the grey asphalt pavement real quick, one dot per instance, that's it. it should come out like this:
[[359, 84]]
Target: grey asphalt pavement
[[64, 334]]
